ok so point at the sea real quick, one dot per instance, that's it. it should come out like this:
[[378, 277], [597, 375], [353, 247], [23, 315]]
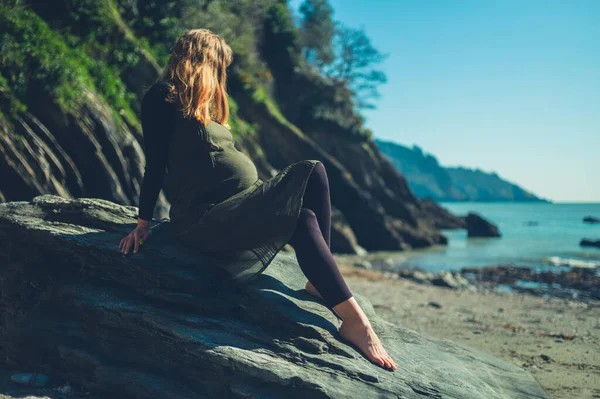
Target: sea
[[543, 236]]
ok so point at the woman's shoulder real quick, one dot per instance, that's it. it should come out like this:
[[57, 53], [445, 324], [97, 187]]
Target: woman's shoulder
[[157, 93], [159, 87]]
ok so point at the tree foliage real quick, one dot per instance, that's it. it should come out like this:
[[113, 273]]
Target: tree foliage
[[343, 55], [317, 31]]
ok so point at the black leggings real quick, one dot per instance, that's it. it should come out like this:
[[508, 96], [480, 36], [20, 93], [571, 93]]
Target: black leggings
[[311, 240]]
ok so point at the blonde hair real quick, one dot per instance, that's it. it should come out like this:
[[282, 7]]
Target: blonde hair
[[197, 69]]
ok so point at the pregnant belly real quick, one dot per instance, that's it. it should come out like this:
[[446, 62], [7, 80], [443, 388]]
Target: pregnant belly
[[235, 170]]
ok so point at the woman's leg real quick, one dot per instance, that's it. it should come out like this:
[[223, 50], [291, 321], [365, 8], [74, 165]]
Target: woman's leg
[[317, 197], [319, 266], [316, 261]]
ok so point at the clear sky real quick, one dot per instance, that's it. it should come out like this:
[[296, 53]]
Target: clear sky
[[510, 86]]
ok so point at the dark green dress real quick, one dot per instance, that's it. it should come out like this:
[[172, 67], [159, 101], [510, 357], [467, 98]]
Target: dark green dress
[[219, 204]]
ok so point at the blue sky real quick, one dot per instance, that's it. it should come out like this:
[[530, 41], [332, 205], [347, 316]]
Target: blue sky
[[510, 86]]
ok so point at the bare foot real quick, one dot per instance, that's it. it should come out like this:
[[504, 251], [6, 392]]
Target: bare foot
[[362, 335], [312, 290]]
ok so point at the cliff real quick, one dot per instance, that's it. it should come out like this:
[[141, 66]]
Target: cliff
[[70, 89], [428, 179]]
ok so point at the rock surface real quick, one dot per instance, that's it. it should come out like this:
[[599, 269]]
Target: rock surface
[[166, 322], [479, 227]]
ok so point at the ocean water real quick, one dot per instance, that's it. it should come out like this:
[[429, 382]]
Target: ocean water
[[539, 235]]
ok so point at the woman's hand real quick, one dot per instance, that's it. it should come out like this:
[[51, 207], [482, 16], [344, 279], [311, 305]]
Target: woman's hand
[[141, 232]]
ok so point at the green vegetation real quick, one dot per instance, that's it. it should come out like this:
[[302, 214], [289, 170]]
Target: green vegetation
[[59, 48], [38, 59], [30, 61]]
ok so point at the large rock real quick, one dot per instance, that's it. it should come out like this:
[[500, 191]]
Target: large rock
[[166, 322], [477, 226]]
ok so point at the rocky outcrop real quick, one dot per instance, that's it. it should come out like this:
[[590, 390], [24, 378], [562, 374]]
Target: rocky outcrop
[[578, 282], [591, 219], [84, 152], [440, 216], [167, 322], [343, 239], [586, 242], [479, 227]]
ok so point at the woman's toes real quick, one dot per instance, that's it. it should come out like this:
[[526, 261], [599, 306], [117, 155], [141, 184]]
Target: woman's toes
[[388, 364]]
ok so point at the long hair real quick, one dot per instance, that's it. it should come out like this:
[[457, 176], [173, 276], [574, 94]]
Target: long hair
[[197, 71]]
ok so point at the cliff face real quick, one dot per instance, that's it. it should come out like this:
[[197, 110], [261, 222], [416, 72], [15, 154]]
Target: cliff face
[[72, 83], [428, 179], [126, 326]]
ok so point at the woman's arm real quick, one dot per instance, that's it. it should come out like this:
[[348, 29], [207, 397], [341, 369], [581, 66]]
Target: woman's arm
[[157, 131]]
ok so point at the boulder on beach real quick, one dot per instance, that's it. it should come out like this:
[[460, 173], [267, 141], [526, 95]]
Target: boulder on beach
[[167, 321], [477, 226], [591, 219], [586, 242]]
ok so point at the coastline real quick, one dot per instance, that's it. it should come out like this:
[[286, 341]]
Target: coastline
[[556, 339]]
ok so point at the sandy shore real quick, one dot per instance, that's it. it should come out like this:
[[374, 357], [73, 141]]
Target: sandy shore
[[557, 340]]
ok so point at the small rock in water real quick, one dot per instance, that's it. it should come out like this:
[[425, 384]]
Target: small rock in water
[[586, 242], [363, 264], [30, 379]]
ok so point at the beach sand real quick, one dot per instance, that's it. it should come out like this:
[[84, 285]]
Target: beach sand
[[520, 328]]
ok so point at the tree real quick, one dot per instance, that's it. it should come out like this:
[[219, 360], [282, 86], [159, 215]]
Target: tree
[[354, 64], [317, 31], [343, 55]]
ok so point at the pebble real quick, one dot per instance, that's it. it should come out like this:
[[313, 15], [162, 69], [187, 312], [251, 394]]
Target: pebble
[[546, 358]]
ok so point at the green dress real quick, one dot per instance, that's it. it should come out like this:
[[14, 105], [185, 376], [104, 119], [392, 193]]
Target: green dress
[[219, 205]]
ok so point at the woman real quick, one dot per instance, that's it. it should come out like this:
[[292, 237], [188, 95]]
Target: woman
[[218, 202]]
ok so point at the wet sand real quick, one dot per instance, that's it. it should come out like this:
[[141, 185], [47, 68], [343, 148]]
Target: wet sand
[[557, 340]]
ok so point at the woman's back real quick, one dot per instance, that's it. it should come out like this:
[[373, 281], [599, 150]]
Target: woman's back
[[203, 166]]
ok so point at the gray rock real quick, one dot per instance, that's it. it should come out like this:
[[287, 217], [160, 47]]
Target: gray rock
[[418, 276], [477, 226], [166, 322], [446, 279], [363, 264], [451, 280]]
